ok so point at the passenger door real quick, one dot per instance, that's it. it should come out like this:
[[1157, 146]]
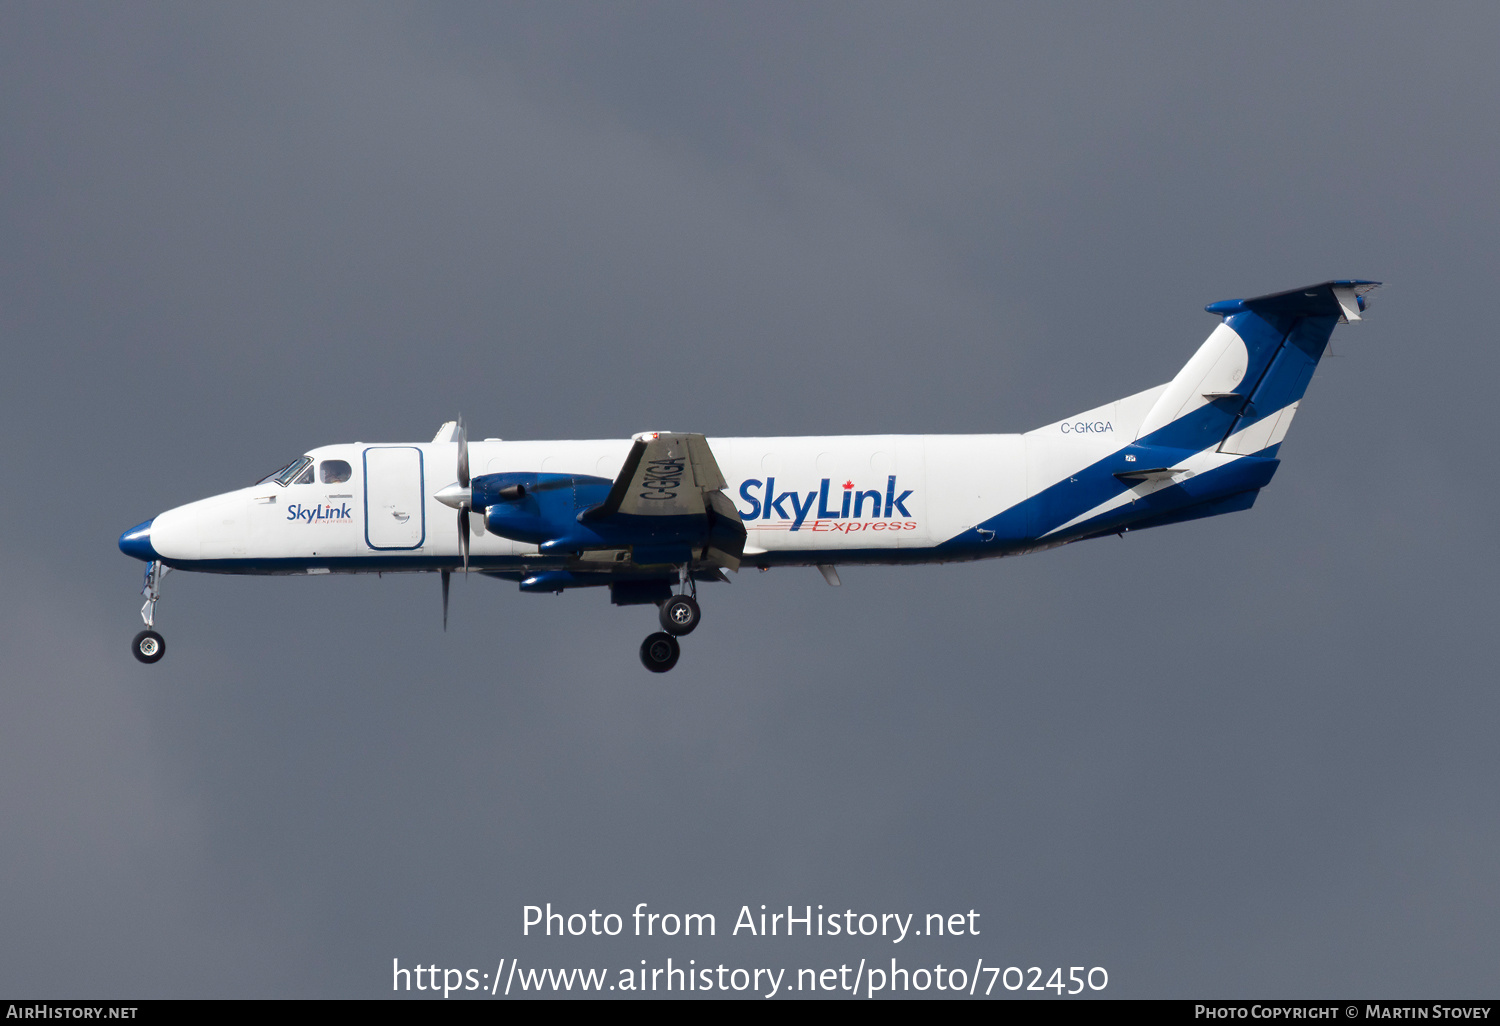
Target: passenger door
[[395, 491]]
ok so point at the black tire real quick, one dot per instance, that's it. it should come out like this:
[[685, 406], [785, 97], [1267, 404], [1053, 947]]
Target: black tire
[[679, 615], [148, 646], [659, 652]]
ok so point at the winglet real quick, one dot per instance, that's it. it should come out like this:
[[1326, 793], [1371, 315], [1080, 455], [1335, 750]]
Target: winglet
[[1349, 303]]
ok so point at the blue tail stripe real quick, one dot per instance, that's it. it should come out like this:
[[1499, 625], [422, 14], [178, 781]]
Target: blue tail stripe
[[1284, 351], [1033, 518]]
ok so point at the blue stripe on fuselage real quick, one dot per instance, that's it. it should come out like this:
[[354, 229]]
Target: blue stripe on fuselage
[[1024, 525]]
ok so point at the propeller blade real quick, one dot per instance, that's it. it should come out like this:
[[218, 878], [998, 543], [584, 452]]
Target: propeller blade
[[463, 536], [445, 600], [463, 454]]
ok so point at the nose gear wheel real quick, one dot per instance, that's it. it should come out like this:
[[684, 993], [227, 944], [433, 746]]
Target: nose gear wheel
[[148, 646]]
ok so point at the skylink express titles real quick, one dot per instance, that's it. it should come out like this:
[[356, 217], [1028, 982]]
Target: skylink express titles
[[764, 501]]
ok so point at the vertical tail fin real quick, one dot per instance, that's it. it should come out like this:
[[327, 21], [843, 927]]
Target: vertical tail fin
[[1240, 390]]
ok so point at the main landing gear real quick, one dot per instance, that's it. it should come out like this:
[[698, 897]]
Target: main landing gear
[[679, 616], [148, 646], [659, 652]]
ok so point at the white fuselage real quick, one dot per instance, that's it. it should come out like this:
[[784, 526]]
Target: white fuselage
[[803, 500]]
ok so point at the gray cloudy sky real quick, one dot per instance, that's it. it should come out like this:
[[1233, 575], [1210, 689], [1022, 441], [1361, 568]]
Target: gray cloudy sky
[[1248, 756]]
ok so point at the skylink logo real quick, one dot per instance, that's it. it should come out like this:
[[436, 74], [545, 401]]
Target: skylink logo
[[853, 505], [325, 513]]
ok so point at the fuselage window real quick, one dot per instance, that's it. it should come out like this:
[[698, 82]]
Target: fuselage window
[[334, 471]]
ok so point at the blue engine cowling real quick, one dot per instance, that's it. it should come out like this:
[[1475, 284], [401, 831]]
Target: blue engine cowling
[[552, 511], [534, 507]]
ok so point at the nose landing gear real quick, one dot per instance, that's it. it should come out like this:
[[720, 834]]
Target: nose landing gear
[[148, 646]]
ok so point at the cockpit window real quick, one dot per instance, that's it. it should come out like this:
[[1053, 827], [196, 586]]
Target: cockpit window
[[334, 471], [291, 472], [306, 476]]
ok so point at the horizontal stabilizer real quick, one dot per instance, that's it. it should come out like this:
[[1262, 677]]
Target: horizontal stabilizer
[[1345, 299]]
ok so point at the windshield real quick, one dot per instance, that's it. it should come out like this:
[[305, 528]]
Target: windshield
[[287, 474]]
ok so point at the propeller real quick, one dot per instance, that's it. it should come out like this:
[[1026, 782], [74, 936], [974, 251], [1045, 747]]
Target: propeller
[[468, 498], [460, 498]]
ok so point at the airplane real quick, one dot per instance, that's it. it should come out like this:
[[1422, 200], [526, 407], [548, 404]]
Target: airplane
[[651, 517]]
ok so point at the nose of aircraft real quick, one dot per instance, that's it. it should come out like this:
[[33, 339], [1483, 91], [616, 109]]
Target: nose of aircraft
[[137, 542]]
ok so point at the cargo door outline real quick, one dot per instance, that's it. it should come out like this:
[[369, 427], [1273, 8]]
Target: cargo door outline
[[391, 494]]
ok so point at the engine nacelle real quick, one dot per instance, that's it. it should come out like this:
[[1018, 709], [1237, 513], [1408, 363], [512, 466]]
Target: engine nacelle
[[536, 507]]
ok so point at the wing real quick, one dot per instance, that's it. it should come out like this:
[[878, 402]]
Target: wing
[[665, 475], [670, 474]]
